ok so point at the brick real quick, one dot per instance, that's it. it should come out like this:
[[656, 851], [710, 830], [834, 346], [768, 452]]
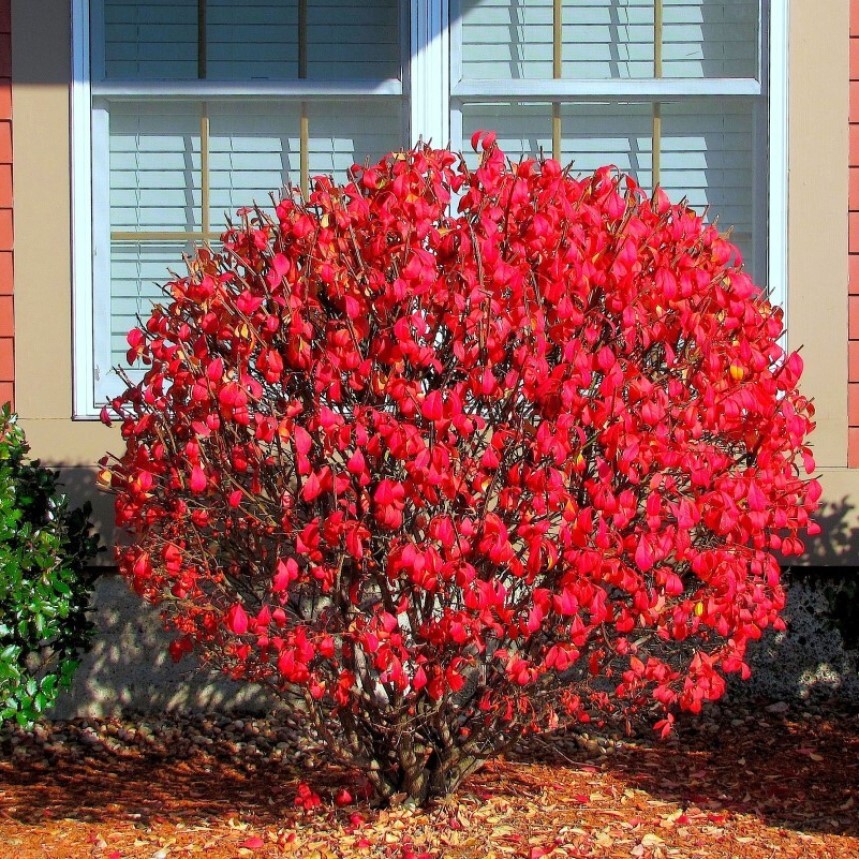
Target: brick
[[7, 359], [854, 144], [7, 233], [5, 55], [7, 273], [854, 101], [854, 58], [852, 358], [5, 141], [853, 404], [853, 267], [853, 317], [854, 18], [5, 16], [7, 317], [7, 393], [853, 447], [853, 239], [853, 189], [6, 186], [5, 99]]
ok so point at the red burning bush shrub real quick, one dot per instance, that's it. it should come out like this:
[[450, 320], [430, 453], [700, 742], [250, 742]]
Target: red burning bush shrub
[[439, 479]]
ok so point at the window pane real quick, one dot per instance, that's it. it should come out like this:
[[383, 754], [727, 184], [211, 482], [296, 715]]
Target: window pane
[[620, 134], [524, 130], [706, 150], [708, 157], [710, 38], [137, 271], [150, 40], [155, 167], [509, 39], [352, 133], [353, 39], [255, 145], [254, 40], [592, 135], [254, 150]]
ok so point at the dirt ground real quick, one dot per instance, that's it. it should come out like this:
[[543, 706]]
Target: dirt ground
[[762, 781]]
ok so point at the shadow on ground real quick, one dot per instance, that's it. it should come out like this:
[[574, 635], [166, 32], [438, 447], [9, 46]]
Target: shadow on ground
[[166, 779], [792, 770]]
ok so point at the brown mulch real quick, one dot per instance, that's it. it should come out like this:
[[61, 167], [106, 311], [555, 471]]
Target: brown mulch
[[751, 782]]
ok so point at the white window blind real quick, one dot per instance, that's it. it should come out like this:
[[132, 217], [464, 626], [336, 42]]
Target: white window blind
[[610, 38]]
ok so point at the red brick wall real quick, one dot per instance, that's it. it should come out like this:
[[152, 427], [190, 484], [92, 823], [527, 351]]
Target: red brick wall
[[853, 376], [7, 318]]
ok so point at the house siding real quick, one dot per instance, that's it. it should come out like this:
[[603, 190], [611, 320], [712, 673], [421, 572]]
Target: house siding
[[7, 305], [853, 245]]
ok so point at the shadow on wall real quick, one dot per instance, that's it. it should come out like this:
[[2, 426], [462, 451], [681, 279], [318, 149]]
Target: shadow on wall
[[78, 482], [817, 656], [129, 668], [838, 544]]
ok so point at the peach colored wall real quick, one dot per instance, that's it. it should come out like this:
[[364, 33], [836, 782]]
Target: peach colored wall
[[7, 318]]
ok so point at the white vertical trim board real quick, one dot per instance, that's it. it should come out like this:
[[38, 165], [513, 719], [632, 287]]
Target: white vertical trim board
[[777, 98], [83, 400], [100, 287], [430, 79]]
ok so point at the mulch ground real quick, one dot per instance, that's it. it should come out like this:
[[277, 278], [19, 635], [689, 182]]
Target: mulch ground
[[753, 781]]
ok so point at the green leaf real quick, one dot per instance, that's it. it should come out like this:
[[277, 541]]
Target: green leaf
[[45, 586]]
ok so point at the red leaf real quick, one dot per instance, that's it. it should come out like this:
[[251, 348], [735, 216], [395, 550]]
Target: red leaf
[[343, 797], [198, 479], [237, 620]]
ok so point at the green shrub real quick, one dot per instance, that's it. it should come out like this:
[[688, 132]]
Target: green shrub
[[45, 585]]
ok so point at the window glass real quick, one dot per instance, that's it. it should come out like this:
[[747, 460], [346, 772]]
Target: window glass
[[706, 149], [151, 40], [255, 147], [248, 41], [155, 181], [600, 39]]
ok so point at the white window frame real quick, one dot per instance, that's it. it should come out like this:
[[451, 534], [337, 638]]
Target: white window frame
[[90, 96], [432, 77]]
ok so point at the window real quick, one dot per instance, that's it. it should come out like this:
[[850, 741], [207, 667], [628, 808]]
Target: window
[[185, 110], [199, 107]]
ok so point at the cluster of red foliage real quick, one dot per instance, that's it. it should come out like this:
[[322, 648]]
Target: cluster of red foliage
[[449, 477]]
